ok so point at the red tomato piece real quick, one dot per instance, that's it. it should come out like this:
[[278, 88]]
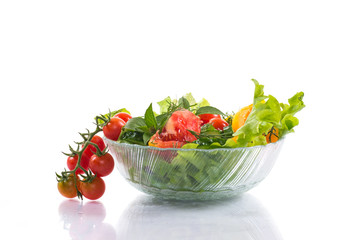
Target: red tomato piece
[[218, 123], [175, 132], [124, 116], [112, 130], [178, 125], [156, 141], [205, 118]]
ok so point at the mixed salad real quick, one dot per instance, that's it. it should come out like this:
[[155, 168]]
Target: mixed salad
[[181, 123], [185, 123]]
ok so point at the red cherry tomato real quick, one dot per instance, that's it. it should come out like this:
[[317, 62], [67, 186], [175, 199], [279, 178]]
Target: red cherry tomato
[[101, 165], [112, 130], [124, 116], [67, 187], [94, 189], [205, 118], [84, 162], [218, 123], [90, 149]]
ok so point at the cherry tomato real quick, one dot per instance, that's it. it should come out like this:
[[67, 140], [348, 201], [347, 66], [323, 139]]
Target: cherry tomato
[[90, 149], [218, 123], [205, 118], [84, 162], [102, 165], [112, 130], [67, 187], [124, 116], [94, 189]]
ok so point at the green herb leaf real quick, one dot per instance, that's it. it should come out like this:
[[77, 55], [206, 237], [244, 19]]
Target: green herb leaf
[[130, 136], [146, 137], [208, 110], [150, 118], [135, 123], [184, 103]]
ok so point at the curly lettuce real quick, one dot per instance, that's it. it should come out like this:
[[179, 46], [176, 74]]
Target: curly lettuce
[[267, 112]]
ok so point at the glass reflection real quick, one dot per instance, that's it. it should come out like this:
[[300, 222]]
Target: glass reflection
[[239, 218], [85, 221]]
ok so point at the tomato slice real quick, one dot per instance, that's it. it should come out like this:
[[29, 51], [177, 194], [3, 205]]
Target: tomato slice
[[175, 132], [157, 141], [206, 117], [218, 123], [176, 128]]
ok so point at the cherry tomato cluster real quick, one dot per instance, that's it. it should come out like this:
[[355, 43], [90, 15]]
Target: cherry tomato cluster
[[94, 157], [213, 119], [84, 177]]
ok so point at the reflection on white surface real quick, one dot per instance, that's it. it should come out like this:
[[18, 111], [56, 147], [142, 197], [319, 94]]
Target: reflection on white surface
[[85, 221], [238, 218]]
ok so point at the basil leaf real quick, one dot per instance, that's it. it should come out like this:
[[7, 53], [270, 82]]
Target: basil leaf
[[133, 137], [184, 103], [146, 138], [150, 119], [162, 119], [208, 110], [135, 123]]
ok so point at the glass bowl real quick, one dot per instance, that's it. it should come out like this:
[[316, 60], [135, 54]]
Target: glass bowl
[[194, 174]]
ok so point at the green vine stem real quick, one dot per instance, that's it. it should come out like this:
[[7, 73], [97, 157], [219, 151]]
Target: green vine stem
[[100, 122]]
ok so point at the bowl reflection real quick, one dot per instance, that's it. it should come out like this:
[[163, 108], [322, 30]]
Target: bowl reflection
[[238, 218], [85, 221]]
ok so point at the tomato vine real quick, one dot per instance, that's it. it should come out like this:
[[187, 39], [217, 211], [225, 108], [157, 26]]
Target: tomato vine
[[88, 177]]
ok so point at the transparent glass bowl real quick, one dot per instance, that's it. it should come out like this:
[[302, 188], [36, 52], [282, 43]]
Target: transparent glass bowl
[[194, 174]]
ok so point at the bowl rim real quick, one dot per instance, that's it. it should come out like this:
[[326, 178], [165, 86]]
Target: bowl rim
[[194, 149]]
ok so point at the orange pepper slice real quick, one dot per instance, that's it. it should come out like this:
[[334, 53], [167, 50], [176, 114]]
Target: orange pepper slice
[[240, 119]]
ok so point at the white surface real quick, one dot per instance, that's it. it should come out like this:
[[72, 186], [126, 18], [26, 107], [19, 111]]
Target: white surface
[[61, 63]]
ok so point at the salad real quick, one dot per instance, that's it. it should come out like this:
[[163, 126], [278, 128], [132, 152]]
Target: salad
[[185, 123], [182, 126]]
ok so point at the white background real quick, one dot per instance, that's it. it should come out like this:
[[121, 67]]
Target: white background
[[63, 62]]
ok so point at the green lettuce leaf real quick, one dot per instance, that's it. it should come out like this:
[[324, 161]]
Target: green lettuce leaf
[[187, 101], [164, 105], [265, 115]]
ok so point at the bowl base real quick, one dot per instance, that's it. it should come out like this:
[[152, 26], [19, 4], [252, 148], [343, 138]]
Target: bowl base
[[169, 194]]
